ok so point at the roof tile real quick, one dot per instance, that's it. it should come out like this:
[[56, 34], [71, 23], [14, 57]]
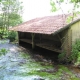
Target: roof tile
[[45, 25]]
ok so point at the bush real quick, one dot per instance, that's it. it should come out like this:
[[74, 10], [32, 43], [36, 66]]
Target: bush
[[77, 63], [61, 57], [3, 51], [75, 56], [3, 34], [12, 36]]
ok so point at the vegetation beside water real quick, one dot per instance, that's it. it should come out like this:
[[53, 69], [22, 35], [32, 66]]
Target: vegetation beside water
[[3, 51], [49, 72], [35, 68], [74, 58], [10, 15], [20, 65]]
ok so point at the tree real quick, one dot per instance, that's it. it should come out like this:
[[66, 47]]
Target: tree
[[56, 5], [10, 15], [74, 11]]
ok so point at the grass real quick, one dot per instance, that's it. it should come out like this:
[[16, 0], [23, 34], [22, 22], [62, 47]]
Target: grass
[[29, 67], [33, 68]]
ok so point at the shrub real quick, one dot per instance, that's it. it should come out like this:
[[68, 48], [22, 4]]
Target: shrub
[[3, 34], [77, 63], [75, 55], [12, 36], [61, 57], [3, 51], [75, 51]]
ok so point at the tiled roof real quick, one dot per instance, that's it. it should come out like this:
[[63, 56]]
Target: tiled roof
[[44, 25]]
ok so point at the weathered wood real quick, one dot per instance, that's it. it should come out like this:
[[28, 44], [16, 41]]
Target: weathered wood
[[33, 42], [26, 40], [64, 40], [59, 38], [18, 38], [44, 44], [69, 42], [49, 46]]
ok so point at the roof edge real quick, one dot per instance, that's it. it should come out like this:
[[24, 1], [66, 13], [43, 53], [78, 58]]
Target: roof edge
[[67, 26]]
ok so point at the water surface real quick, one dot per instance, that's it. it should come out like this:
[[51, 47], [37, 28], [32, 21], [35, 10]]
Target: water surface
[[17, 64]]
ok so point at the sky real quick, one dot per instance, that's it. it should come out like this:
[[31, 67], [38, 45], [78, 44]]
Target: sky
[[39, 8]]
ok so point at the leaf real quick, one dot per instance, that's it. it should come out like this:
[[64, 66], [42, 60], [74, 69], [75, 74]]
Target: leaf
[[75, 1], [52, 3], [69, 19], [61, 1], [54, 9], [78, 6]]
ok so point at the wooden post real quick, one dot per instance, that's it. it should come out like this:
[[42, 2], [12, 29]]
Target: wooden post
[[18, 37], [59, 38], [33, 42]]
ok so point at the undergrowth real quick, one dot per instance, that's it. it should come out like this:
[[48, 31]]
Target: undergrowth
[[3, 51], [75, 54]]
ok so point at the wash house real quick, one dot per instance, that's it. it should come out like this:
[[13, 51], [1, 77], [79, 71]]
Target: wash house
[[54, 33]]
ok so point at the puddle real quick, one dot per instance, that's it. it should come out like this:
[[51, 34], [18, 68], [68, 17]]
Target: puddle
[[17, 64]]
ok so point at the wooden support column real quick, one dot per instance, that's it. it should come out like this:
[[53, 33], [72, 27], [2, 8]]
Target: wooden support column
[[18, 37], [59, 38], [33, 42]]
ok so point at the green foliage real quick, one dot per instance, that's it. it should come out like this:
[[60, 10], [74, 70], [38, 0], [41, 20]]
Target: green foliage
[[3, 51], [75, 56], [1, 22], [75, 49], [3, 33], [53, 4], [69, 19], [14, 19], [12, 36], [56, 5], [61, 56], [78, 60], [10, 16], [74, 1], [61, 0]]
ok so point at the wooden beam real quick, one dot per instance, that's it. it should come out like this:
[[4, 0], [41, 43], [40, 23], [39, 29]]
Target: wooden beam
[[59, 38], [33, 42], [18, 37]]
